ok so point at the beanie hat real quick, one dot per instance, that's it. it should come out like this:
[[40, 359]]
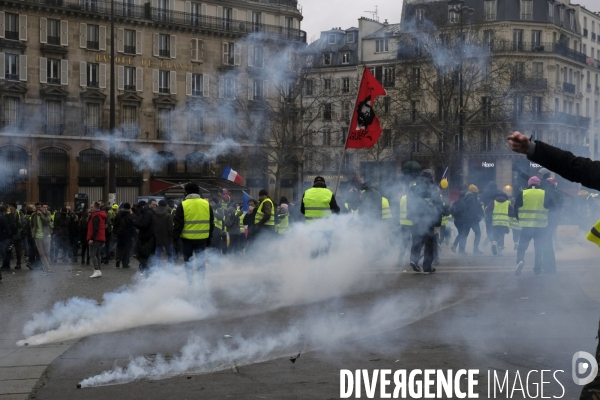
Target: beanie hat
[[319, 179], [534, 181], [127, 206], [473, 189], [115, 206]]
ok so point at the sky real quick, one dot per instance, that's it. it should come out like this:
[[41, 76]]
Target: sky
[[322, 15]]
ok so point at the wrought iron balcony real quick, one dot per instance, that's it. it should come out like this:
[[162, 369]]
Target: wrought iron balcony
[[93, 45], [54, 40], [11, 35], [54, 129], [568, 88], [129, 49]]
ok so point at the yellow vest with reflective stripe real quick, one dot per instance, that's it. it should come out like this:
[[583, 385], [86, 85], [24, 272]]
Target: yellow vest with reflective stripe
[[500, 214], [349, 209], [259, 214], [386, 212], [533, 214], [514, 223], [218, 223], [316, 203], [242, 226], [404, 212], [594, 234], [283, 227], [196, 219]]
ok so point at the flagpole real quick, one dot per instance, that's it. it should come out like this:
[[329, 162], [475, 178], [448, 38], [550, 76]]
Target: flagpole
[[337, 182]]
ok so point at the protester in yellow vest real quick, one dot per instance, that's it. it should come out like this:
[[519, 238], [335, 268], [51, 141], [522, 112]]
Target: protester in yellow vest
[[532, 207], [497, 214], [405, 229], [282, 221], [319, 202], [220, 238], [193, 222], [264, 219]]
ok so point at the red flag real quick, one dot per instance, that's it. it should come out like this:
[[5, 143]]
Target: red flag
[[365, 128]]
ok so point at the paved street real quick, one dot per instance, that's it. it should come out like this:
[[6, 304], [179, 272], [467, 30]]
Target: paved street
[[474, 313]]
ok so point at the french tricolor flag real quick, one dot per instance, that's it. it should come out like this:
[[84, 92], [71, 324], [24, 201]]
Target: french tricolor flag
[[231, 175]]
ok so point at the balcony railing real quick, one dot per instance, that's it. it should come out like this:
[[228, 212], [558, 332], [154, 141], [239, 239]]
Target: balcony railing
[[130, 132], [164, 90], [53, 81], [54, 129], [588, 87], [585, 33], [11, 35], [91, 130], [568, 88], [129, 49], [12, 77], [147, 12], [197, 93], [538, 47], [94, 85], [55, 40], [92, 45], [164, 53], [593, 36], [129, 87], [525, 83]]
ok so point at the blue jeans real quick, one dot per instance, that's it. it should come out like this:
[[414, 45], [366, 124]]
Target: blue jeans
[[194, 248], [168, 249]]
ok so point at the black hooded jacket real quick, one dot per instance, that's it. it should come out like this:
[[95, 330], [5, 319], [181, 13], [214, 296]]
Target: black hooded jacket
[[424, 205]]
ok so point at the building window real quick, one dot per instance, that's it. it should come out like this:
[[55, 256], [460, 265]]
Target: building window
[[518, 39], [382, 46], [486, 140], [526, 9], [195, 11], [164, 45], [551, 9], [162, 6], [197, 85], [490, 7], [327, 111], [164, 82], [331, 39], [11, 112], [326, 58], [486, 107], [572, 20], [453, 16], [164, 123], [345, 85], [228, 53], [308, 87], [129, 83], [129, 41], [420, 15], [414, 111], [327, 84], [518, 106], [11, 27], [92, 75], [128, 8], [416, 77], [92, 118], [258, 57], [561, 15], [53, 117], [350, 37], [346, 110], [536, 106], [53, 71], [326, 136], [11, 67], [196, 126], [130, 123], [386, 104], [93, 37], [227, 87], [227, 17], [386, 138], [256, 22], [258, 89], [389, 77], [416, 145], [346, 58], [53, 26]]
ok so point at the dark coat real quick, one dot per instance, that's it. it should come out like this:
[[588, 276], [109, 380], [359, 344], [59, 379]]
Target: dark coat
[[61, 224], [5, 233], [424, 205], [123, 224], [370, 203], [144, 223], [163, 226]]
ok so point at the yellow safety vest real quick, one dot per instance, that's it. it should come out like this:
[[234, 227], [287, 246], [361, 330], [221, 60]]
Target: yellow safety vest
[[404, 212], [52, 220], [283, 227], [386, 212], [594, 234], [196, 219], [500, 214], [259, 214], [218, 223], [514, 223], [533, 214], [350, 210], [316, 203], [242, 226]]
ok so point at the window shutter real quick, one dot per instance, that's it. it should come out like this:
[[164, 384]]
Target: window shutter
[[154, 81], [225, 52], [250, 89], [155, 44], [23, 27], [120, 77], [43, 30], [188, 8], [120, 42], [172, 5], [82, 74], [139, 79], [250, 55], [200, 50], [2, 28], [188, 84], [206, 85], [234, 13], [23, 68], [83, 36], [138, 42], [64, 72], [43, 69], [2, 60], [64, 33], [282, 21], [102, 37], [249, 16], [237, 54], [266, 90], [203, 9], [295, 22], [221, 87], [219, 12], [194, 52], [154, 3], [173, 82], [173, 43], [102, 76]]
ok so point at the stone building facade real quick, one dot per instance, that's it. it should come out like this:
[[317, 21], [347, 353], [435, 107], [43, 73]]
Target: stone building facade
[[179, 66]]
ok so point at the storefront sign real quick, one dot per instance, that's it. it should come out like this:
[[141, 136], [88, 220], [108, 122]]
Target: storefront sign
[[534, 165], [487, 165], [146, 62], [327, 177]]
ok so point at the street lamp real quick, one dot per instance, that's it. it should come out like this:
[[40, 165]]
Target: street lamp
[[457, 7], [112, 178]]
